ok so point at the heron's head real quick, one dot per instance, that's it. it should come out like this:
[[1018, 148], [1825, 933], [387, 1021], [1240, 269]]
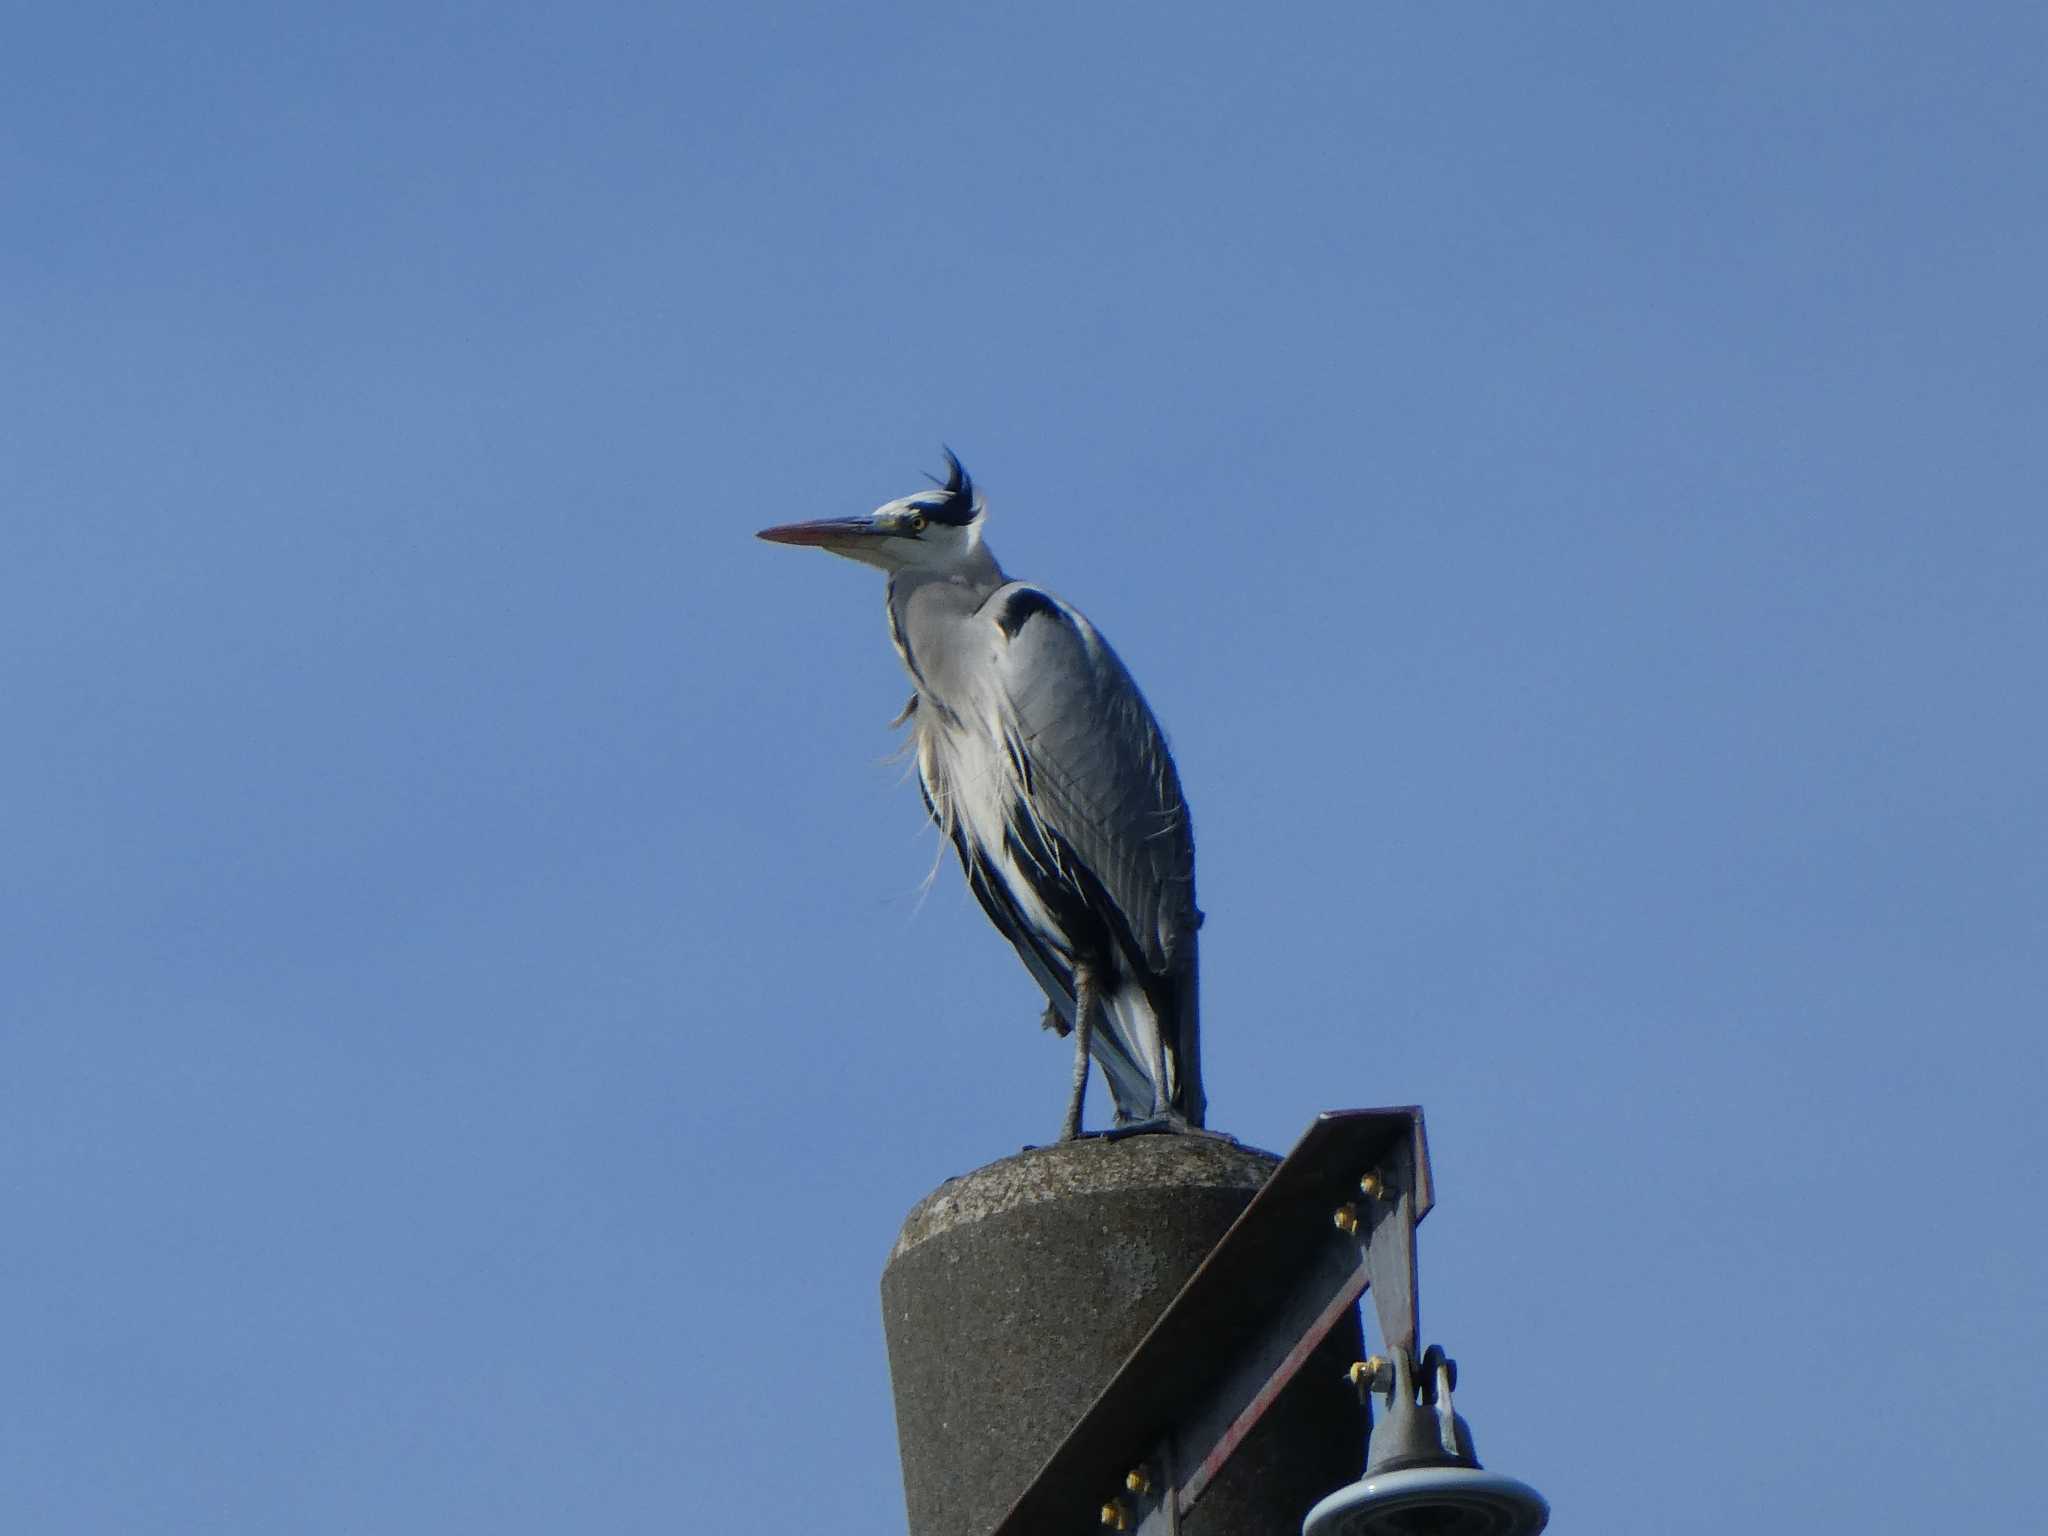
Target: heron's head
[[934, 528]]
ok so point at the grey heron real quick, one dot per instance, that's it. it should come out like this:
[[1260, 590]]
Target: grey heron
[[1042, 764]]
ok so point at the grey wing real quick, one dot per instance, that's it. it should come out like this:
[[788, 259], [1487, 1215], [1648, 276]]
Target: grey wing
[[1097, 778]]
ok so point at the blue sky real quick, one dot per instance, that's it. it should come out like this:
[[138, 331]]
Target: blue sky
[[1569, 479]]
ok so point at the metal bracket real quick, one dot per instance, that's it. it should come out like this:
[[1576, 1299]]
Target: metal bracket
[[1421, 1426], [1338, 1214], [1397, 1197]]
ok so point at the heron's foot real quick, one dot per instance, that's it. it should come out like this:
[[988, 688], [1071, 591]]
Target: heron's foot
[[1063, 1140], [1055, 1023], [1151, 1125], [1167, 1123]]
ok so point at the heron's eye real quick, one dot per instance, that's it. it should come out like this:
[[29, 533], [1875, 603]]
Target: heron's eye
[[917, 522]]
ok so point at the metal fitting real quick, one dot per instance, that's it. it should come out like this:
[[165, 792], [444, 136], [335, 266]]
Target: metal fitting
[[1372, 1374]]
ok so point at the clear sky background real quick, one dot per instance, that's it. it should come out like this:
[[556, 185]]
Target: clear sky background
[[1570, 478]]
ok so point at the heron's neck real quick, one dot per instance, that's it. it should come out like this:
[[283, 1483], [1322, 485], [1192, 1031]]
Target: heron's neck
[[974, 568]]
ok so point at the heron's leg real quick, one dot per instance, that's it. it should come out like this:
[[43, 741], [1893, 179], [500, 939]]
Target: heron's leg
[[1162, 1099], [1084, 1026]]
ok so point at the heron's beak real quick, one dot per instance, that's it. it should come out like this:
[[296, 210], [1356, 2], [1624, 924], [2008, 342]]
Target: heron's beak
[[826, 533], [870, 540]]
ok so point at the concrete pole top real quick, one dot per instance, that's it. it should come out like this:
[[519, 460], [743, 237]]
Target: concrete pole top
[[1090, 1166]]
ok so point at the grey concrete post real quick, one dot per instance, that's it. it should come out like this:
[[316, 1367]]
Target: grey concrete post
[[1016, 1291]]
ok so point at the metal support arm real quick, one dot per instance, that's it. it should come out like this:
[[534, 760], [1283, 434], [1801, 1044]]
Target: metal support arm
[[1337, 1215]]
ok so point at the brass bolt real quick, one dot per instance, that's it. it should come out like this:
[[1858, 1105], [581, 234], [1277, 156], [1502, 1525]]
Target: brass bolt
[[1374, 1186], [1346, 1218], [1365, 1374], [1115, 1516], [1138, 1480]]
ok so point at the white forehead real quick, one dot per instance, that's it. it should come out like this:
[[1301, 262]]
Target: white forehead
[[936, 505]]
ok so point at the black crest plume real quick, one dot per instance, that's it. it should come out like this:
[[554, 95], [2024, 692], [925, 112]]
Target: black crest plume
[[955, 502]]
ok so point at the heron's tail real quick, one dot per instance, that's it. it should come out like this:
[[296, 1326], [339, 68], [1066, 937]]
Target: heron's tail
[[1184, 1038], [1121, 1046], [1124, 1048]]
